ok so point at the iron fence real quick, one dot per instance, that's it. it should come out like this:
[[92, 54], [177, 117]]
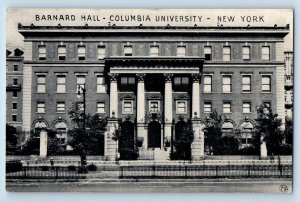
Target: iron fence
[[209, 171], [46, 172]]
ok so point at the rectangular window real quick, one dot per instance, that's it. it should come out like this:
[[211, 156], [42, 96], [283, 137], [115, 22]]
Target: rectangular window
[[14, 105], [265, 53], [246, 83], [207, 52], [128, 50], [226, 107], [81, 52], [60, 106], [181, 51], [61, 84], [154, 106], [246, 107], [14, 118], [226, 83], [226, 53], [80, 83], [207, 80], [127, 83], [62, 51], [266, 83], [101, 52], [181, 83], [101, 107], [154, 50], [41, 83], [41, 107], [127, 106], [101, 88], [16, 68], [42, 52], [15, 82], [207, 107], [246, 52], [15, 94], [181, 107]]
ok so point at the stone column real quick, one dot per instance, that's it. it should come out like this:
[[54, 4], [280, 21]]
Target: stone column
[[168, 106], [113, 98], [111, 144], [43, 142], [196, 95], [198, 143], [141, 132]]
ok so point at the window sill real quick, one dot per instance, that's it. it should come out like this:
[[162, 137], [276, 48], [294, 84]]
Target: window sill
[[227, 92], [246, 92]]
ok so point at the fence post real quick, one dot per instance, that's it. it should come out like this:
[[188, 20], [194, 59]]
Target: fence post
[[185, 171], [121, 174], [153, 169], [217, 168], [280, 170], [249, 169], [25, 171], [56, 172]]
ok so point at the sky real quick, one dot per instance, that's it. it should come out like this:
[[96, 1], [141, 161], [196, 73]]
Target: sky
[[184, 17]]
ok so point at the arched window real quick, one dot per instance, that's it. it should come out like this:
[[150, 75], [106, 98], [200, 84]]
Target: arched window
[[61, 129], [227, 129], [38, 126], [246, 134]]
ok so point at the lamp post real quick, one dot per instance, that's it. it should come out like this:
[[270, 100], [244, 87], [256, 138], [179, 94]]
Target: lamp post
[[78, 96], [83, 90]]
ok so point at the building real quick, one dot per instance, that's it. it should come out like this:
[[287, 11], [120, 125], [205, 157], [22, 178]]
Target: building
[[14, 93], [153, 77], [288, 84]]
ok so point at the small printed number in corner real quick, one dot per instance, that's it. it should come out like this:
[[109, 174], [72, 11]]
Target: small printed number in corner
[[283, 188]]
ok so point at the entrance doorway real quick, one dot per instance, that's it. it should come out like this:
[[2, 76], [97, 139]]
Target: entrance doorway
[[154, 134]]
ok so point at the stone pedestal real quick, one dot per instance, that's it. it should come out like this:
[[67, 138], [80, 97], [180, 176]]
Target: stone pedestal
[[43, 142], [111, 146], [198, 143], [168, 106], [263, 150]]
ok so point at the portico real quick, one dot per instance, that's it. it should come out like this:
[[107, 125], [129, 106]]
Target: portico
[[158, 107]]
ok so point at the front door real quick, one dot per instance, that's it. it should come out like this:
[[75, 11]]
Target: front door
[[154, 134]]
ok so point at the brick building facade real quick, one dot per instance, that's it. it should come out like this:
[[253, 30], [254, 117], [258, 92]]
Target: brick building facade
[[14, 93], [153, 76]]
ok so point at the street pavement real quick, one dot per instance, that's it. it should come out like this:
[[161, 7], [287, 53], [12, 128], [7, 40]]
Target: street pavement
[[155, 185]]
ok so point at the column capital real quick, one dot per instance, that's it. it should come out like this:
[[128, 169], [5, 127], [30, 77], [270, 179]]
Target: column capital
[[113, 77], [140, 77], [196, 77], [168, 77]]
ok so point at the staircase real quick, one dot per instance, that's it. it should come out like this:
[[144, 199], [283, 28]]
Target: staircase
[[161, 154]]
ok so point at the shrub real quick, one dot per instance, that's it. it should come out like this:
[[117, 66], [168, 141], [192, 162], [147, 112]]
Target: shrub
[[44, 168], [248, 151], [71, 168], [92, 167], [139, 141], [13, 166], [82, 170], [286, 149], [128, 154]]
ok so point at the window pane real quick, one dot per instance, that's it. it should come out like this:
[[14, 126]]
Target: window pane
[[61, 79], [246, 50], [207, 88], [207, 50], [207, 107], [62, 50], [154, 50], [226, 79], [41, 79], [246, 80], [185, 80], [181, 51], [226, 50], [131, 80], [207, 79], [177, 80]]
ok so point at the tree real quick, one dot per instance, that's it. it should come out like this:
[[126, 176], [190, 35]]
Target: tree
[[268, 129], [288, 132], [11, 140], [86, 140], [216, 143], [184, 136], [213, 132]]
